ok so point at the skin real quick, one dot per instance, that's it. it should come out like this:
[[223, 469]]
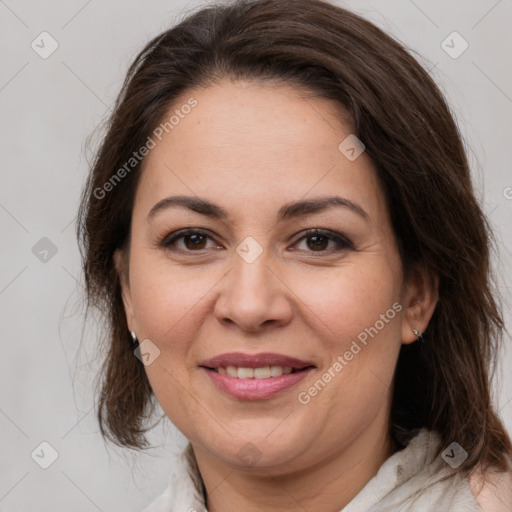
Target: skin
[[250, 148]]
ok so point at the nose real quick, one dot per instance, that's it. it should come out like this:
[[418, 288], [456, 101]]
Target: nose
[[253, 296]]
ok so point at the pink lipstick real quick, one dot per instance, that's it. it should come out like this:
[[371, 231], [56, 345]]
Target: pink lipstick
[[255, 376]]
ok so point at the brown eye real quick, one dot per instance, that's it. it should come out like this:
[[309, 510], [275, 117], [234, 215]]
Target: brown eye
[[193, 240], [196, 241], [318, 240]]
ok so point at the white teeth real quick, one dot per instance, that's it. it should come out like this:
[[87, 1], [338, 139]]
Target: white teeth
[[276, 371], [245, 373], [232, 371], [263, 372]]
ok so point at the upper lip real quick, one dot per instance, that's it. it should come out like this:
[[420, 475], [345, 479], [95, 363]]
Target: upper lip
[[254, 360]]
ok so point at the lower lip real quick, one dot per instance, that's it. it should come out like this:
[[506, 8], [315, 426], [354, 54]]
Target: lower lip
[[255, 389]]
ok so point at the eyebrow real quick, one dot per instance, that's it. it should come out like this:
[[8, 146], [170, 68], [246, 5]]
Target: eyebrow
[[286, 212]]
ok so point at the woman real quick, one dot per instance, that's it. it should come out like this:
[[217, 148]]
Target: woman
[[281, 226]]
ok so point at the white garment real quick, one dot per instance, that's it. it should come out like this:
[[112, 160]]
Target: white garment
[[410, 480]]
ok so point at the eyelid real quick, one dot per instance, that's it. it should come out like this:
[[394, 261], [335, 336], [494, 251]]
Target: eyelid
[[342, 242], [171, 238]]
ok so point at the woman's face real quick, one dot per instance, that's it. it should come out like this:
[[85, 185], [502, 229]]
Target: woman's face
[[251, 287]]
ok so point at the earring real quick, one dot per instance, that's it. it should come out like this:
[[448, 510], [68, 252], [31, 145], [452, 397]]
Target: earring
[[419, 334], [134, 338]]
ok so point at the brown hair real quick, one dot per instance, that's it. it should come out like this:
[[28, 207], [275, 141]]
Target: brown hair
[[401, 117]]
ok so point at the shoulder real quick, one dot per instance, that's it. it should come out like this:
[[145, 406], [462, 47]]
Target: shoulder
[[492, 490]]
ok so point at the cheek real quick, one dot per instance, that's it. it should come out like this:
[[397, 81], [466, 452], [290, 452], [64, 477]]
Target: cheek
[[355, 314], [165, 298], [359, 310], [348, 301], [169, 306]]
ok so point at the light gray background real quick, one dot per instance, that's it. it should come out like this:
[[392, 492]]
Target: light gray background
[[49, 107]]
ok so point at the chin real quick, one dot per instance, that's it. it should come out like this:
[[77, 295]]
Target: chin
[[258, 447]]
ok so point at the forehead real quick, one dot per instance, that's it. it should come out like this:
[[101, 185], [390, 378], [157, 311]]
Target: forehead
[[255, 147]]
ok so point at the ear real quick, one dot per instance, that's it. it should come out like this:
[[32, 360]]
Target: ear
[[121, 266], [419, 300]]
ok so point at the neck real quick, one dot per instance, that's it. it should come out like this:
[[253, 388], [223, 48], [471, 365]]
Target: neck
[[328, 485]]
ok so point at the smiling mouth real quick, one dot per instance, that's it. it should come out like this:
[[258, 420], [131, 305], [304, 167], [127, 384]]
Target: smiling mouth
[[255, 383], [262, 372], [258, 376]]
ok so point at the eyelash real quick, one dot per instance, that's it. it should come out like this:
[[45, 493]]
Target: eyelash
[[342, 243]]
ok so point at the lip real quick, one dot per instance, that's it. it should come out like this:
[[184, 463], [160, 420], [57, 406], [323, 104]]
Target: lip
[[255, 360], [255, 389]]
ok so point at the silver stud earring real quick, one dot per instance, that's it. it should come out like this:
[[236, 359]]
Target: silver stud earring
[[134, 338], [419, 334]]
